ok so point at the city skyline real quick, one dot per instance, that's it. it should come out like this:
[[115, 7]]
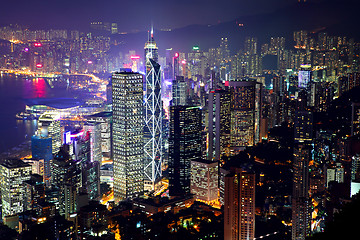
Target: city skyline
[[222, 120]]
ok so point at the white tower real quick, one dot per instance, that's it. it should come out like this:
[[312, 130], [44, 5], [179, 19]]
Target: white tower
[[153, 116]]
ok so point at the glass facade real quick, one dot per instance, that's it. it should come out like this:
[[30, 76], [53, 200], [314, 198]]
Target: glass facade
[[153, 116], [184, 147]]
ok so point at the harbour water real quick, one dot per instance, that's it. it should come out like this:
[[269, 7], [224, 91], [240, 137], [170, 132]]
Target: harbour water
[[14, 89]]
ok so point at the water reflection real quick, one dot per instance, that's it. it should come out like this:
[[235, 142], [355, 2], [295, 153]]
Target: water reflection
[[35, 88]]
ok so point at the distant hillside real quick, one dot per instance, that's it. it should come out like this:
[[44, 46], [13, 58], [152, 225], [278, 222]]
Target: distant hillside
[[329, 16]]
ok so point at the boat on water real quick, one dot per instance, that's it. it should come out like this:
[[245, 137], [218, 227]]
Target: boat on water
[[24, 116]]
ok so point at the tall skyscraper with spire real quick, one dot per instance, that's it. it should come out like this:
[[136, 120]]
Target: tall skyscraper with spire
[[153, 115]]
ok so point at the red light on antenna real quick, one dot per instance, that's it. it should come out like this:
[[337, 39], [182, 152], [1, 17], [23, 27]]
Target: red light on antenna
[[135, 57], [176, 55], [39, 65]]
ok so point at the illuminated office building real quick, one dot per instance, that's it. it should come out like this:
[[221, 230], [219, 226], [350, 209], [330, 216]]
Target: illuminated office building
[[153, 116], [90, 170], [219, 124], [204, 180], [47, 141], [105, 121], [335, 173], [239, 205], [41, 148], [66, 179], [49, 126], [179, 91], [94, 129], [245, 113], [184, 147], [13, 174], [304, 77], [37, 166], [127, 132]]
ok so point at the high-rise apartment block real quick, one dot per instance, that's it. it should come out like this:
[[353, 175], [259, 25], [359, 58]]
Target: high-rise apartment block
[[239, 205], [301, 204]]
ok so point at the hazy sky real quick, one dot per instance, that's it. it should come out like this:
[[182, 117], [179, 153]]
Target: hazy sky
[[131, 14]]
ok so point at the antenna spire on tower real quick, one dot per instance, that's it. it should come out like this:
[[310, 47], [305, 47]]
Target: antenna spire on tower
[[152, 29]]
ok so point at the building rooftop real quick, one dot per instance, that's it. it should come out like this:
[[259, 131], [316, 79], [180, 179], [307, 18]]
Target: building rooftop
[[14, 163], [100, 114], [58, 103]]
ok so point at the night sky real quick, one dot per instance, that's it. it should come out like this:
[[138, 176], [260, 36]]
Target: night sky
[[131, 14]]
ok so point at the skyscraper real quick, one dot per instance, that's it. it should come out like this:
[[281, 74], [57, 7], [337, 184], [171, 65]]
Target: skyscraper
[[239, 207], [66, 180], [41, 148], [13, 174], [219, 124], [47, 141], [179, 91], [49, 126], [95, 140], [303, 126], [301, 218], [128, 127], [184, 147], [204, 180], [90, 170], [245, 113], [153, 115]]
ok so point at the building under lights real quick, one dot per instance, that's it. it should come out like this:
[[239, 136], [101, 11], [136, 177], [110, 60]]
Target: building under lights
[[245, 113], [184, 147], [301, 202], [49, 126], [204, 180], [94, 129], [179, 91], [66, 179], [128, 131], [41, 148], [153, 116], [219, 124], [13, 173], [239, 205]]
